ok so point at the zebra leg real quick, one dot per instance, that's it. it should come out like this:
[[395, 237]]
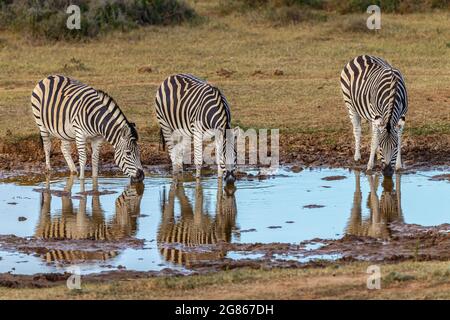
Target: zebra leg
[[81, 147], [198, 153], [356, 121], [373, 147], [398, 161], [65, 149], [95, 144], [47, 143], [169, 139], [220, 149]]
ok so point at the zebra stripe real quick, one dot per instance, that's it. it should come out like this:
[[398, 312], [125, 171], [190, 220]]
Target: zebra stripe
[[375, 91], [383, 210], [189, 107], [78, 224], [195, 227], [69, 110]]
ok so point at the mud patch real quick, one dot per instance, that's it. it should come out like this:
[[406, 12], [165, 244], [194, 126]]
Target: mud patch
[[334, 178], [313, 206], [440, 177]]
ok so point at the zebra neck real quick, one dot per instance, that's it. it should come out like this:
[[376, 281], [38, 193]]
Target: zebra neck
[[111, 126]]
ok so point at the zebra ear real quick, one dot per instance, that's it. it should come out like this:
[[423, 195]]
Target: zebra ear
[[378, 121], [401, 123], [125, 132]]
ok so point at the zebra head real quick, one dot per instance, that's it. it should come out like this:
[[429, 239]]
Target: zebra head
[[388, 143], [230, 156], [126, 153]]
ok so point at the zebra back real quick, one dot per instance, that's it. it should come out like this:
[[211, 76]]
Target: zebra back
[[184, 100], [373, 89]]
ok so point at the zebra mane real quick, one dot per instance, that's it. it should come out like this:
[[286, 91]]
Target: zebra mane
[[134, 133], [102, 95], [392, 94]]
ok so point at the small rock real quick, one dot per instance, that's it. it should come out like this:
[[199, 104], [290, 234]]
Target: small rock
[[145, 69], [224, 72], [313, 206], [333, 178], [278, 72]]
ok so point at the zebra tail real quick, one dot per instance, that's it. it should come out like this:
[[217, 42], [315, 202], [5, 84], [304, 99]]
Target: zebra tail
[[162, 141]]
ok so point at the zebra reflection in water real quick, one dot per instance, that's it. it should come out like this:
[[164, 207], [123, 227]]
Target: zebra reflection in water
[[195, 226], [78, 224], [383, 210]]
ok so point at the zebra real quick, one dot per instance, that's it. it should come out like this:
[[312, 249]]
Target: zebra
[[376, 91], [69, 110], [78, 224], [195, 226], [190, 107], [383, 210]]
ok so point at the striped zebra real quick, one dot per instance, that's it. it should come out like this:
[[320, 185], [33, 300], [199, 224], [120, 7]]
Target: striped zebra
[[72, 111], [376, 91], [189, 107], [383, 210], [195, 226], [77, 223]]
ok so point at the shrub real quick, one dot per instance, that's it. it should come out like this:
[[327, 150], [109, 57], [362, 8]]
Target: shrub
[[389, 6], [350, 6], [47, 18], [277, 11]]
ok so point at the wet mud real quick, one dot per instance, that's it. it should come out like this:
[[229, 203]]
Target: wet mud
[[301, 150], [210, 241], [407, 242]]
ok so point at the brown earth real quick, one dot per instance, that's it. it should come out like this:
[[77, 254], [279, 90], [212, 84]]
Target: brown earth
[[309, 150], [407, 243]]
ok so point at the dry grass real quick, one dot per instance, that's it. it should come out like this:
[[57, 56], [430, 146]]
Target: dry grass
[[406, 280], [306, 98]]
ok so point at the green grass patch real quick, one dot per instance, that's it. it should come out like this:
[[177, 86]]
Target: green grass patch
[[48, 18], [395, 276], [426, 129]]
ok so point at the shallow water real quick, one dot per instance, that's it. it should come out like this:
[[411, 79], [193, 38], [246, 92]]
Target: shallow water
[[181, 222]]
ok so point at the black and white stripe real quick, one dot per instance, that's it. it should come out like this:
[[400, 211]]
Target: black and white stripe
[[375, 91], [179, 237], [383, 210], [72, 111], [189, 107]]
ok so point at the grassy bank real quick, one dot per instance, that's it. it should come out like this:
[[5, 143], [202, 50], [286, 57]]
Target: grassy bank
[[284, 77], [405, 280]]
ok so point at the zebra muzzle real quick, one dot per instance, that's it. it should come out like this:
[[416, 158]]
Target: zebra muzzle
[[387, 170], [229, 178], [139, 177]]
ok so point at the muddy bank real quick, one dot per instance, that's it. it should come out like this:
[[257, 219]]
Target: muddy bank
[[407, 242], [311, 150]]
